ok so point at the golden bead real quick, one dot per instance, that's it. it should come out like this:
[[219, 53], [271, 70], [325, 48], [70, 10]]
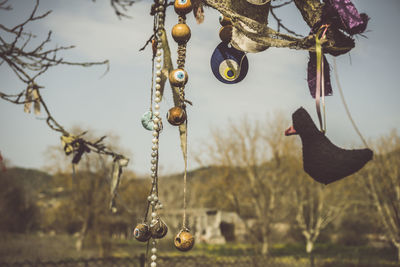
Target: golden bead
[[184, 241], [142, 232], [224, 20], [178, 77], [176, 116], [182, 7], [159, 230], [225, 33], [181, 33]]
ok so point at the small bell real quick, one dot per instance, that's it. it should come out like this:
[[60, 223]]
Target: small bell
[[176, 116], [184, 240], [178, 77], [142, 232], [225, 33], [182, 7], [224, 20], [181, 33], [159, 229]]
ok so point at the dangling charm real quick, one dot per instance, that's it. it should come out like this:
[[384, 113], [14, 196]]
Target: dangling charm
[[182, 7], [176, 116], [224, 20], [184, 240], [181, 33], [225, 33], [142, 232], [147, 120], [159, 229], [178, 77], [228, 64]]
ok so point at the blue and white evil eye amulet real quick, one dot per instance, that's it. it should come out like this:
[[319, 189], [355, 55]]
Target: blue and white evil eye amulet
[[178, 77], [228, 64]]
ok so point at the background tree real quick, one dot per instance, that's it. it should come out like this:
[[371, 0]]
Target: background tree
[[382, 183], [316, 206], [253, 159]]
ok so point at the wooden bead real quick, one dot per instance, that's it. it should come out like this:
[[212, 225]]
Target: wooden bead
[[224, 20], [159, 230], [182, 7], [184, 241], [181, 33], [142, 232], [176, 116], [225, 33], [178, 77]]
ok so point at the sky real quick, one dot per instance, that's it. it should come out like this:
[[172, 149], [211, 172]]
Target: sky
[[114, 103]]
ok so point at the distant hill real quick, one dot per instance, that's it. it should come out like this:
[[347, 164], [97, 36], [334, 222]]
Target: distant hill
[[32, 180]]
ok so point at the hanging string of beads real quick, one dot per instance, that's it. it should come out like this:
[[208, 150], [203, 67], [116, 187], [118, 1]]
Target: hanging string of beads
[[184, 240], [157, 228]]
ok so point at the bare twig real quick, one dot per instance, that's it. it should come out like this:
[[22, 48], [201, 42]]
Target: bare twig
[[29, 64]]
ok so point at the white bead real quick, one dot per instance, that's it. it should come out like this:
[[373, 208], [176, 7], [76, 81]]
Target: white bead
[[149, 198], [158, 73], [157, 100], [153, 257], [153, 222], [156, 120], [153, 168], [158, 86], [153, 175], [157, 106], [160, 206], [155, 126], [158, 66], [155, 140], [158, 59], [155, 198], [159, 52], [158, 79], [158, 93], [154, 154], [157, 113], [153, 264], [153, 214], [155, 133], [155, 147], [154, 250], [153, 161], [152, 203]]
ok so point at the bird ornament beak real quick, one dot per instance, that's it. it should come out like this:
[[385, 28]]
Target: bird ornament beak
[[290, 131]]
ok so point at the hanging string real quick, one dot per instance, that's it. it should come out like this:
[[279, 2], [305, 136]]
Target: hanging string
[[345, 104], [320, 75], [185, 176]]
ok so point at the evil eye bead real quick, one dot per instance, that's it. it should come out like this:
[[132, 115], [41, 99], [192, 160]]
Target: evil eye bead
[[184, 240], [224, 20], [147, 121], [228, 64], [225, 33], [182, 7], [178, 77], [159, 229], [176, 116], [181, 33], [142, 232], [229, 70]]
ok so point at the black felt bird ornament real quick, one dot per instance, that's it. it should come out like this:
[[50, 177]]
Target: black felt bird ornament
[[322, 160]]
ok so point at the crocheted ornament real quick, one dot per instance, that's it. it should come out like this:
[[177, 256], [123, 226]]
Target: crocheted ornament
[[322, 160]]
